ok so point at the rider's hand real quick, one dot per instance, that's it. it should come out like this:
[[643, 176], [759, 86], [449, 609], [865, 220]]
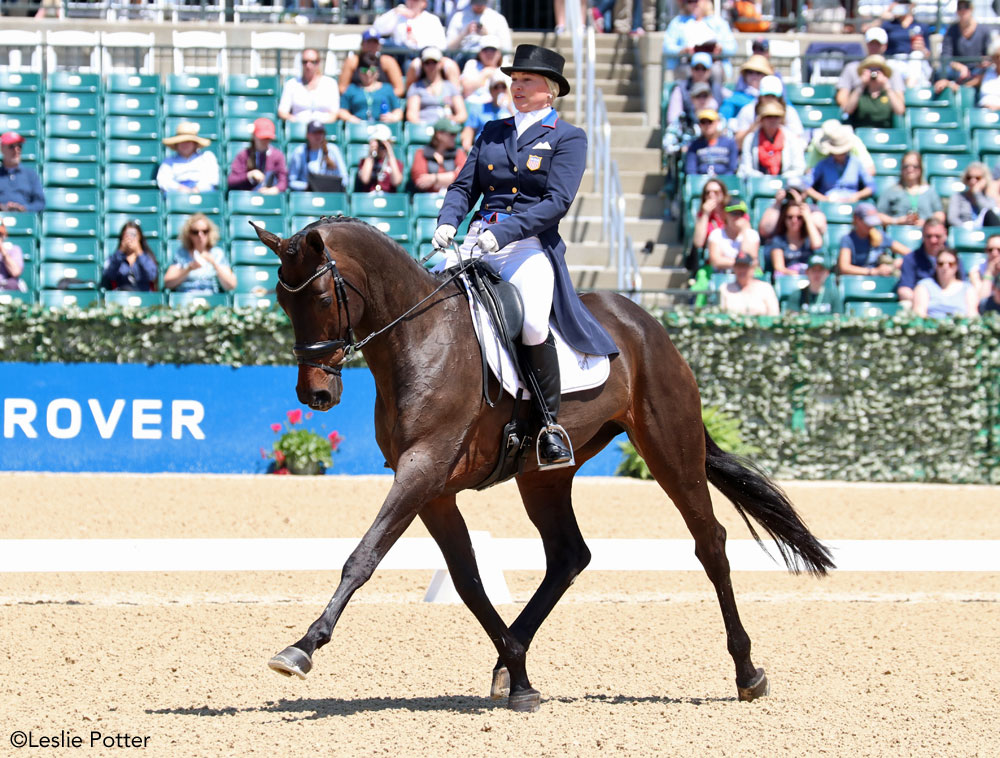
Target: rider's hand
[[487, 242], [443, 236]]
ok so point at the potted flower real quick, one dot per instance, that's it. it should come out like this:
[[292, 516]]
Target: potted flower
[[299, 450]]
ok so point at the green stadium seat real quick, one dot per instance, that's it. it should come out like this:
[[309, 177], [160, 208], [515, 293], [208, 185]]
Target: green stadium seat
[[74, 224], [426, 205], [810, 94], [131, 104], [296, 132], [20, 103], [126, 299], [837, 213], [945, 164], [834, 233], [69, 276], [361, 133], [253, 86], [946, 186], [980, 118], [132, 201], [238, 131], [248, 300], [787, 288], [300, 221], [909, 236], [9, 296], [133, 127], [882, 183], [196, 300], [970, 240], [131, 175], [240, 229], [395, 228], [71, 81], [76, 127], [256, 280], [255, 204], [986, 143], [423, 230], [925, 97], [150, 223], [201, 106], [232, 150], [56, 298], [355, 153], [318, 203], [23, 124], [24, 224], [940, 141], [418, 134], [133, 84], [971, 261], [250, 253], [871, 310], [238, 106], [29, 248], [193, 84], [72, 199], [868, 288], [20, 81], [932, 118], [71, 175], [762, 186], [133, 151], [69, 250], [884, 140], [69, 150], [395, 205], [887, 164], [31, 152], [73, 103], [209, 127], [210, 203], [813, 116]]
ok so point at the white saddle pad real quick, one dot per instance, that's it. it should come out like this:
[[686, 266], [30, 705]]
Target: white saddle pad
[[577, 371]]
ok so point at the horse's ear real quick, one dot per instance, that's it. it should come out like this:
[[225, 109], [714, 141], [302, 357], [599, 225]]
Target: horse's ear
[[314, 242], [270, 239]]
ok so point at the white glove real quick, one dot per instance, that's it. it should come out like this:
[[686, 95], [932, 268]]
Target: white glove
[[443, 236], [487, 242]]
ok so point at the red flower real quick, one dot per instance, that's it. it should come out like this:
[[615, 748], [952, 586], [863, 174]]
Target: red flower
[[335, 439], [279, 457], [275, 428], [281, 471], [295, 416]]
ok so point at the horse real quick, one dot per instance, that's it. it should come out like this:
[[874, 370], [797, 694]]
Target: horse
[[346, 286]]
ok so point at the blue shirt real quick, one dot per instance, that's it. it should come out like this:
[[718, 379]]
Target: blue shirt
[[484, 114], [918, 265], [139, 277], [721, 158], [21, 185], [305, 161], [831, 178], [735, 102], [862, 252], [369, 106]]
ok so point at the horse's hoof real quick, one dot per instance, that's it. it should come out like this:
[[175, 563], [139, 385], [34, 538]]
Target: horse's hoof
[[501, 683], [290, 661], [759, 687], [526, 701]]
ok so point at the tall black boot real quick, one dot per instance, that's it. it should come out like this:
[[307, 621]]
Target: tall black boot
[[543, 363]]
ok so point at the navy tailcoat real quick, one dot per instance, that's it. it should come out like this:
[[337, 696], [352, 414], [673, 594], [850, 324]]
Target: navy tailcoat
[[534, 179]]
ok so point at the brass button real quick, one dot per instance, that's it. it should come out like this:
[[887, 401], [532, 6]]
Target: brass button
[[514, 190], [490, 166], [508, 207], [515, 169], [491, 188]]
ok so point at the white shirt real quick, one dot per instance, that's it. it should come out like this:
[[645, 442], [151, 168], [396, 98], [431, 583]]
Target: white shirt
[[200, 171], [306, 104], [414, 33], [492, 21], [523, 120]]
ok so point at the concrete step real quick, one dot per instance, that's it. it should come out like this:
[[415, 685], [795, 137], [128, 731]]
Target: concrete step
[[613, 103], [590, 203], [592, 278], [616, 119], [607, 71], [636, 159], [595, 254], [589, 228]]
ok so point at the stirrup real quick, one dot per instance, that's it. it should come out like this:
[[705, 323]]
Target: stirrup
[[564, 435]]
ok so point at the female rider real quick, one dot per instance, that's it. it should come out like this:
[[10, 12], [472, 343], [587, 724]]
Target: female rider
[[527, 169]]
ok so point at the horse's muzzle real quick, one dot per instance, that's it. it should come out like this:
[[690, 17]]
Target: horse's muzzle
[[317, 389]]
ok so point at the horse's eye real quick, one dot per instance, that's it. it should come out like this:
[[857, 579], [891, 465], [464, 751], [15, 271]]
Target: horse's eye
[[326, 302]]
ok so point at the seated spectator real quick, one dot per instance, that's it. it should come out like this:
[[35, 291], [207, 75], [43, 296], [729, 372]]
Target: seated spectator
[[876, 42], [132, 266], [865, 250], [711, 212], [748, 88], [944, 294], [199, 264], [436, 166], [712, 152], [316, 157], [820, 296], [411, 25], [468, 27], [833, 129], [20, 186], [986, 273], [921, 263], [796, 238], [973, 207], [477, 74], [696, 93], [898, 23], [912, 201], [697, 28], [769, 148], [11, 263], [873, 102], [499, 106], [261, 166], [432, 96], [991, 304], [748, 120], [967, 41], [736, 237], [391, 73], [794, 190], [989, 89], [189, 169], [840, 176], [311, 97], [371, 100], [748, 296], [380, 169]]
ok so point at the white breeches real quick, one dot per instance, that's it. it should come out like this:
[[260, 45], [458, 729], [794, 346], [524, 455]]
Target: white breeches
[[524, 264]]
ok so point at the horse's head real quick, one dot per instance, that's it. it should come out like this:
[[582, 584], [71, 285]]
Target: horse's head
[[314, 294]]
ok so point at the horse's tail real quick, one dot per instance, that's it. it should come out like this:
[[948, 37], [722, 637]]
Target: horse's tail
[[753, 493]]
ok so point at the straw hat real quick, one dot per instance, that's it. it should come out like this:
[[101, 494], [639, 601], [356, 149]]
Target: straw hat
[[187, 131], [835, 139], [759, 64], [771, 109], [875, 61]]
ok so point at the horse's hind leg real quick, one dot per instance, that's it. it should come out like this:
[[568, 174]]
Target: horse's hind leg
[[674, 450], [448, 529]]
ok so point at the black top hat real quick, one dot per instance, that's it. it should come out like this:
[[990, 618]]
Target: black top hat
[[539, 60]]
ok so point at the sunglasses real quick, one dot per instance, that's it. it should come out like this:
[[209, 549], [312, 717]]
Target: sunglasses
[[199, 231], [911, 165], [369, 70], [947, 264], [974, 177], [310, 60], [992, 249], [706, 121]]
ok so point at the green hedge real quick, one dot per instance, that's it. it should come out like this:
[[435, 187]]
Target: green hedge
[[855, 399]]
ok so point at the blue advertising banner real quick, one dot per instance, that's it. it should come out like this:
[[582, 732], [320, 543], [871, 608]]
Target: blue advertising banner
[[193, 419]]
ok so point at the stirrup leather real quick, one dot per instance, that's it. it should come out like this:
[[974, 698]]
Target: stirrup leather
[[564, 435]]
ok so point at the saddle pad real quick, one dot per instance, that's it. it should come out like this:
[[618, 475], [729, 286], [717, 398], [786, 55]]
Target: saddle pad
[[577, 371]]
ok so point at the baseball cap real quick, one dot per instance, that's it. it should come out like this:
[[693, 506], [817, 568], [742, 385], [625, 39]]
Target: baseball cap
[[760, 45], [499, 77], [701, 88], [743, 260], [445, 124], [877, 34], [771, 85], [382, 133], [817, 260], [867, 213], [11, 138], [431, 54], [489, 40], [739, 207], [964, 5], [369, 34], [708, 113], [263, 128], [701, 59], [316, 126]]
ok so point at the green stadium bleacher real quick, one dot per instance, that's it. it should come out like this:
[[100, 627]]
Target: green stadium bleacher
[[209, 203], [138, 127], [256, 280], [871, 309], [75, 104], [74, 82], [20, 81], [946, 186], [196, 300], [9, 296], [396, 205], [981, 118], [395, 228], [190, 106], [909, 236], [945, 164], [248, 85], [925, 97], [132, 104], [249, 300], [133, 151], [70, 150], [970, 240], [31, 151], [361, 133], [318, 204], [69, 250], [884, 140], [837, 213], [249, 203], [240, 106], [125, 299], [21, 224], [810, 94], [131, 175], [209, 127], [986, 143], [813, 116], [70, 175], [295, 132], [887, 164], [240, 229], [418, 134], [73, 224], [20, 103], [251, 253], [23, 124], [932, 118], [868, 288], [56, 298], [193, 84], [940, 141], [72, 199], [133, 84], [119, 200], [57, 275]]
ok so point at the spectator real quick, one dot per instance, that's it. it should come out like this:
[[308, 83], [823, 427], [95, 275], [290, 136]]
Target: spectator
[[840, 176], [920, 263], [633, 17], [392, 74], [469, 25], [830, 129], [873, 102], [697, 29], [796, 238], [820, 296], [132, 266], [736, 237], [991, 304], [771, 91], [371, 100], [189, 169], [748, 87], [912, 201], [199, 265], [983, 276], [865, 250], [973, 208], [944, 294], [969, 43], [901, 30], [477, 74], [20, 186], [770, 149], [411, 25], [436, 166], [313, 96], [876, 42], [261, 166], [499, 106], [711, 212], [11, 263], [794, 190], [711, 153], [432, 96], [380, 170], [684, 104], [316, 157], [748, 296], [989, 89]]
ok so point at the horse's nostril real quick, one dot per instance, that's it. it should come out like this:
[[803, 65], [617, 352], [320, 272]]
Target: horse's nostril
[[321, 397]]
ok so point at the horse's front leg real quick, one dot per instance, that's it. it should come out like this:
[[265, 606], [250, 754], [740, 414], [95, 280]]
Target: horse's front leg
[[413, 487]]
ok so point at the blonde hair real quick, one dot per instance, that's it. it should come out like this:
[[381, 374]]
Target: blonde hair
[[553, 87], [185, 235]]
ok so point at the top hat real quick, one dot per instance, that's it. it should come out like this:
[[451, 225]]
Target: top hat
[[539, 60]]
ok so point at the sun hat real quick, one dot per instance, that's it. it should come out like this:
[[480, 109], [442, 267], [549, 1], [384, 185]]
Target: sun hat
[[708, 113], [11, 138], [489, 40], [445, 124], [499, 77], [835, 138], [867, 213], [759, 64], [431, 53], [701, 59], [875, 61], [772, 108], [533, 59], [263, 128], [187, 131], [771, 85], [701, 88], [877, 34], [382, 133]]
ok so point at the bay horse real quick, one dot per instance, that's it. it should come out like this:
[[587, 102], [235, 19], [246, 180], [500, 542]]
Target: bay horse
[[347, 286]]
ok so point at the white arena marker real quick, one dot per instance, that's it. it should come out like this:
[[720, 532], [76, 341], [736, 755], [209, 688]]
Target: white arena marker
[[442, 589]]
